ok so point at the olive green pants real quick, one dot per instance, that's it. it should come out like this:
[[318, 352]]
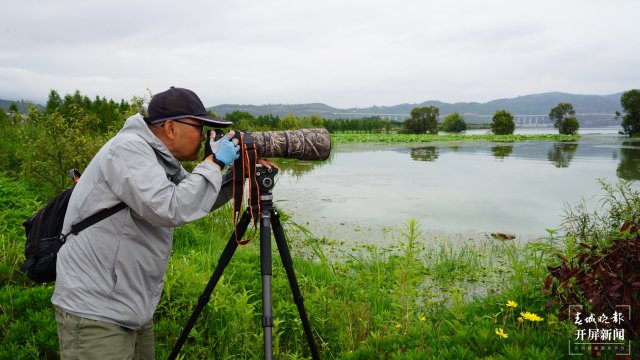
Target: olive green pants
[[82, 338]]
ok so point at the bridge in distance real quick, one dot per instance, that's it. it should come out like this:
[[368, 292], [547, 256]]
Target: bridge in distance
[[520, 120]]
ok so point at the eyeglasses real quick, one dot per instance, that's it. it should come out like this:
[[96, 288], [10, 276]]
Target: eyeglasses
[[199, 126]]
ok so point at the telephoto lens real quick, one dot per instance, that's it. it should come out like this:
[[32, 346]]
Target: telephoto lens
[[303, 144]]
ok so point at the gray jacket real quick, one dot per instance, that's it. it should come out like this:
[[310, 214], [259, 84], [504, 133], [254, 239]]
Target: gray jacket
[[114, 270]]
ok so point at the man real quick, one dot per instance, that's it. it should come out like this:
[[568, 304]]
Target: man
[[110, 275]]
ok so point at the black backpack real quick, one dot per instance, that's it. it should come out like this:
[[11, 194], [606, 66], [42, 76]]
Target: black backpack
[[44, 234]]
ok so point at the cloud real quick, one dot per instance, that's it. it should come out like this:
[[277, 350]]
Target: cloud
[[343, 53]]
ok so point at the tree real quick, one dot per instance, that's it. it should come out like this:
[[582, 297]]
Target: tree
[[10, 145], [266, 122], [570, 126], [289, 122], [630, 102], [563, 117], [316, 121], [137, 106], [502, 123], [423, 120], [109, 113], [386, 124], [54, 102], [66, 140], [5, 123], [14, 114], [454, 123], [242, 120]]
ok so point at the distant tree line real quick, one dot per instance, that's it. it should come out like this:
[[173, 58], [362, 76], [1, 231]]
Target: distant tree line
[[368, 125], [109, 113], [424, 120], [246, 121]]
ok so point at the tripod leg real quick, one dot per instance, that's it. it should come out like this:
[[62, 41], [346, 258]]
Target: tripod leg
[[287, 262], [265, 270], [225, 258]]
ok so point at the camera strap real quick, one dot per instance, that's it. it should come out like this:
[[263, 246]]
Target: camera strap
[[245, 168]]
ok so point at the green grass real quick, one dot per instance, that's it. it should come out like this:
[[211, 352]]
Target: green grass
[[422, 299]]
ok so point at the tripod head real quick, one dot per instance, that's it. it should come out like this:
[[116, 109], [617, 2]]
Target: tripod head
[[265, 178]]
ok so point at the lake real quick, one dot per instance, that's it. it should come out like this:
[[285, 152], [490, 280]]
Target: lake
[[456, 190]]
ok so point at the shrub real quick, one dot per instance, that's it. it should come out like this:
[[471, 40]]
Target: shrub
[[502, 123], [55, 143], [454, 123]]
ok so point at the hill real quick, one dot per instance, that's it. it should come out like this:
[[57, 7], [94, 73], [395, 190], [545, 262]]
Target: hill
[[23, 105], [600, 106], [323, 110]]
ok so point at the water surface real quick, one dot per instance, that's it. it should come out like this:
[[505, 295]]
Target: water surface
[[366, 192]]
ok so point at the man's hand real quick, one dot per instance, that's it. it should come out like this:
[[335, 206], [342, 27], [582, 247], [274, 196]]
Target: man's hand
[[267, 163], [223, 151]]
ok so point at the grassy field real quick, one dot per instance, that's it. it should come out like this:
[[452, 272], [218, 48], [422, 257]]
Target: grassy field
[[416, 300]]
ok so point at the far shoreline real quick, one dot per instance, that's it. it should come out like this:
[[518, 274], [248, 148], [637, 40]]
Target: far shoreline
[[346, 138]]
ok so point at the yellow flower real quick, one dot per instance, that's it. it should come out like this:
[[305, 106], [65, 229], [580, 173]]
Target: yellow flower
[[501, 333], [512, 304], [423, 318], [531, 316], [520, 320], [398, 326]]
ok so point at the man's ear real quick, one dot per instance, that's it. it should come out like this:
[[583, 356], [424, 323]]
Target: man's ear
[[170, 130]]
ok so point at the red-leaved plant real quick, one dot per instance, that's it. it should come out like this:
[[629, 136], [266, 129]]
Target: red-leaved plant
[[601, 279], [603, 275]]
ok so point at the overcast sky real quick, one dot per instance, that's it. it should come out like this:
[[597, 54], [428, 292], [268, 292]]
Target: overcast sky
[[344, 53]]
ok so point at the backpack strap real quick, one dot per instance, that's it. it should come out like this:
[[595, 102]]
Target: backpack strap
[[93, 219]]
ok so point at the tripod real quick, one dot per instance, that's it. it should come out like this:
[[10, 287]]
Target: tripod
[[269, 220]]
